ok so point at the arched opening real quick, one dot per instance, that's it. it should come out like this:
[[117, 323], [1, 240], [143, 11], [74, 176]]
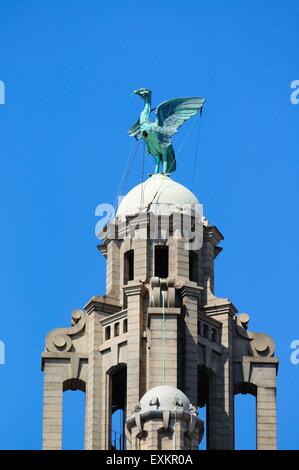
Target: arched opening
[[161, 261], [73, 415], [125, 325], [203, 404], [245, 417], [128, 266], [118, 388]]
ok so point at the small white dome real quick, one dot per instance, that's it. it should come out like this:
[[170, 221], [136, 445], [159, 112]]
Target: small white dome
[[159, 194], [164, 397]]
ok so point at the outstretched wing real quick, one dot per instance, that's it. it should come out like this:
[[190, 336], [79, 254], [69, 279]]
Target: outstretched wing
[[173, 113], [135, 130]]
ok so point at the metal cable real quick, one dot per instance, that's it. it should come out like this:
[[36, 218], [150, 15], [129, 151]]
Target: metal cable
[[127, 170]]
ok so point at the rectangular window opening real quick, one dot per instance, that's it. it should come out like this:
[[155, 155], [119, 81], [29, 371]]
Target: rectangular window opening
[[161, 261], [192, 266], [128, 266]]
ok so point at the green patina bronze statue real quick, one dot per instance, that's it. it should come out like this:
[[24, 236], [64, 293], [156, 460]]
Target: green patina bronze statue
[[157, 135]]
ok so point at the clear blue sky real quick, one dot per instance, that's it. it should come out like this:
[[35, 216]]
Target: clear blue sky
[[69, 67]]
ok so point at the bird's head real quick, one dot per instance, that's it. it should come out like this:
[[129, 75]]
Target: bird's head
[[144, 93]]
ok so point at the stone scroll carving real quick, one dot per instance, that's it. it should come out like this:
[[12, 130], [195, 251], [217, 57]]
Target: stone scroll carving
[[60, 339], [260, 344], [162, 290]]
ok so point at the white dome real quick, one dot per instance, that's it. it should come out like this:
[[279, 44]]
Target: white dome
[[158, 194], [164, 397]]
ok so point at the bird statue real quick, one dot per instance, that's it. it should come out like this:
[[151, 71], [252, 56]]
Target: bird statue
[[170, 115]]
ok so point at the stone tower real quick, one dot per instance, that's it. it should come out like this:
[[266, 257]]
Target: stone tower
[[159, 344]]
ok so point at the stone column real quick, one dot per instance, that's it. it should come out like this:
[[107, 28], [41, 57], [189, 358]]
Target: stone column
[[96, 417], [266, 418], [113, 281], [190, 298], [221, 398], [141, 257], [94, 422], [135, 297], [180, 262], [163, 353], [212, 237], [53, 398]]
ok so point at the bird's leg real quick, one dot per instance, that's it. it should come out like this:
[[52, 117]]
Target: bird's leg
[[164, 160], [157, 164]]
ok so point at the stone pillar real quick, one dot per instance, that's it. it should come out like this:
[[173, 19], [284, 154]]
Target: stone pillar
[[135, 297], [190, 296], [94, 422], [141, 257], [53, 398], [113, 281], [266, 418], [163, 353], [96, 414], [221, 407], [212, 237], [151, 430], [181, 260]]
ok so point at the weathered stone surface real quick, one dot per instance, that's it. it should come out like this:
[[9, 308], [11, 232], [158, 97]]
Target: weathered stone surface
[[159, 331]]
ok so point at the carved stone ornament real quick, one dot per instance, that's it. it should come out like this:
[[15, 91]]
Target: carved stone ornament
[[260, 345], [162, 292], [60, 339]]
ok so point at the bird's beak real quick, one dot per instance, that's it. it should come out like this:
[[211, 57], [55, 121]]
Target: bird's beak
[[136, 92]]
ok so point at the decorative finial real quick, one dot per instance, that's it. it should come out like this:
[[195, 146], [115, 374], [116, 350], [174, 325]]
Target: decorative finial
[[157, 135]]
